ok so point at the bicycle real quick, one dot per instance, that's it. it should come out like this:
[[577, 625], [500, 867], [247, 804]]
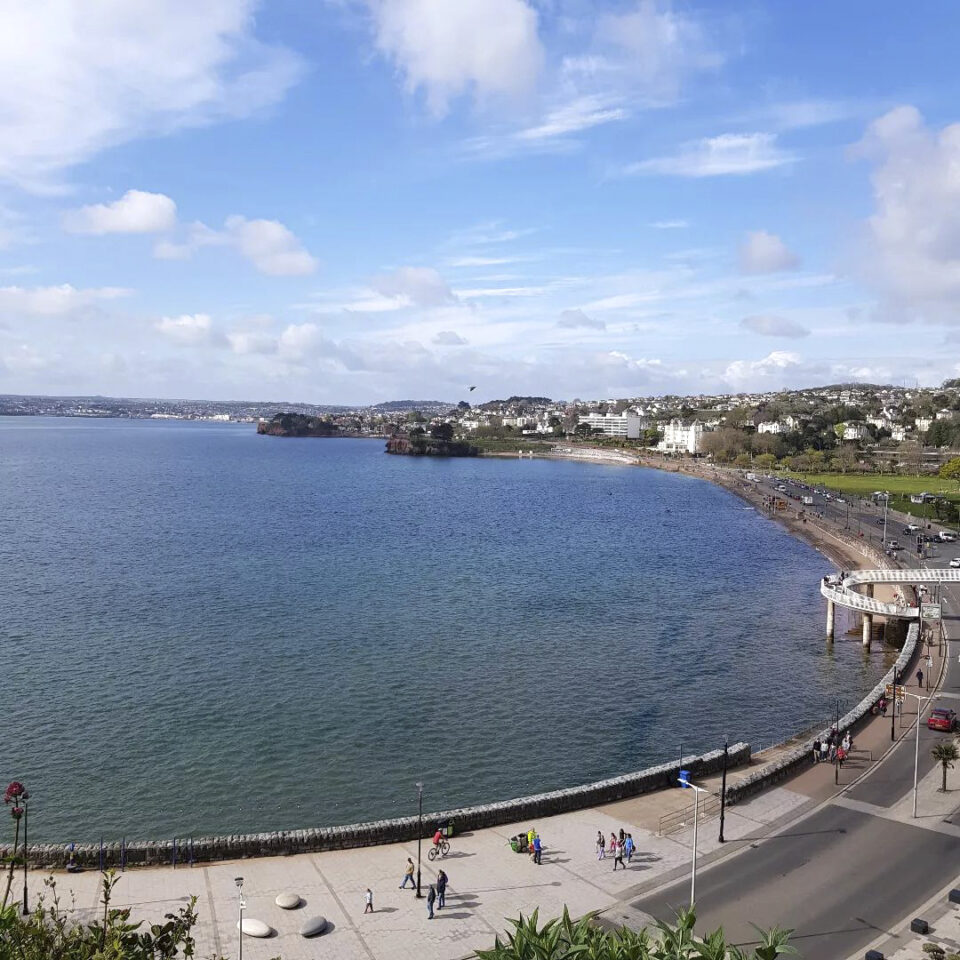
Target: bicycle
[[439, 850]]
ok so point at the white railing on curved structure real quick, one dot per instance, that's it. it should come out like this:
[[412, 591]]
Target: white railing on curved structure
[[843, 592]]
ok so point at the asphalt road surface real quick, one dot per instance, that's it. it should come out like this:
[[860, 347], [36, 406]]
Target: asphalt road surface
[[839, 878]]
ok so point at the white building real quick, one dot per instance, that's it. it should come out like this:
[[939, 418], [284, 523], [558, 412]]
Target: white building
[[770, 426], [613, 424], [898, 434], [680, 437], [923, 423]]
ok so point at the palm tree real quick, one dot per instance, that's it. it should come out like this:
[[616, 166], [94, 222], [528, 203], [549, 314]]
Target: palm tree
[[946, 754]]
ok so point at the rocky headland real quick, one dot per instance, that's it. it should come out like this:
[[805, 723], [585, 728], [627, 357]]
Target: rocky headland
[[427, 446]]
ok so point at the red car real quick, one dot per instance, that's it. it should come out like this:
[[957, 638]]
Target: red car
[[942, 718]]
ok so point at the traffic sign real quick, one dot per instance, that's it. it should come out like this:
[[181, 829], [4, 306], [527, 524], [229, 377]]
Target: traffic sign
[[930, 611], [901, 692]]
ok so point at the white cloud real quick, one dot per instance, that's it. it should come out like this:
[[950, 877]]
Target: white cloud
[[252, 341], [670, 224], [579, 114], [752, 371], [769, 325], [417, 286], [725, 155], [271, 247], [57, 301], [447, 49], [577, 319], [663, 47], [763, 252], [135, 212], [449, 338], [76, 77], [190, 329], [912, 248]]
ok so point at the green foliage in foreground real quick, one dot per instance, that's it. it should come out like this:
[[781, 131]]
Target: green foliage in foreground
[[566, 939], [52, 932]]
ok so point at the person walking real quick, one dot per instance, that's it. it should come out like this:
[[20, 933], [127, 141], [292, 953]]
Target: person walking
[[612, 845], [847, 742], [537, 849], [628, 847], [816, 750], [441, 889], [431, 900], [601, 846], [824, 751], [619, 856], [369, 907], [408, 875], [919, 678]]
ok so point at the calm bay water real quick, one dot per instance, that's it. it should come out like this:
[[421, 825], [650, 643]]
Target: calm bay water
[[203, 630]]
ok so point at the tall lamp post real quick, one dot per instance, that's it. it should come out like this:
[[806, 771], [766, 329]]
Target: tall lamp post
[[696, 821], [916, 748], [893, 708], [26, 812], [419, 833], [241, 904], [723, 790]]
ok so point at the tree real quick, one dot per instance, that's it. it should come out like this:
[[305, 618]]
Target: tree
[[566, 938], [765, 461], [946, 754], [441, 431], [951, 470], [583, 430]]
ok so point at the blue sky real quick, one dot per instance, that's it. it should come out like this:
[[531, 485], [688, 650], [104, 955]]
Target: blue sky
[[358, 200]]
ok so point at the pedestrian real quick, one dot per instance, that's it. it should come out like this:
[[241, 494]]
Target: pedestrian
[[833, 750], [824, 751], [847, 742], [441, 889], [601, 846], [628, 847], [537, 849], [883, 706], [431, 899], [841, 756], [408, 875], [369, 907], [919, 678], [622, 835], [619, 855], [816, 750], [612, 845]]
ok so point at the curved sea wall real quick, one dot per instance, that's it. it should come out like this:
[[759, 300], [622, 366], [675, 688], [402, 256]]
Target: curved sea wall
[[802, 756], [286, 842]]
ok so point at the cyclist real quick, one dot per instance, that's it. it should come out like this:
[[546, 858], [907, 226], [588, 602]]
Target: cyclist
[[437, 839]]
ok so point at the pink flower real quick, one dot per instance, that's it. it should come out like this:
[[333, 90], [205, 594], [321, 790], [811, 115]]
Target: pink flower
[[16, 812], [15, 790]]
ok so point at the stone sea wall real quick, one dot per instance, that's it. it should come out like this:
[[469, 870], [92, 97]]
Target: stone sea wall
[[280, 843], [802, 756]]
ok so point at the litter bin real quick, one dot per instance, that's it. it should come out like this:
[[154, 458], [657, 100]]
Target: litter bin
[[685, 779], [448, 829]]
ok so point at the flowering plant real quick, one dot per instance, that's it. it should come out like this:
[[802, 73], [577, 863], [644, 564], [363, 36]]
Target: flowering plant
[[14, 792]]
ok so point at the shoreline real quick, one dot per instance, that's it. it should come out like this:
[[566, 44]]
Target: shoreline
[[848, 555]]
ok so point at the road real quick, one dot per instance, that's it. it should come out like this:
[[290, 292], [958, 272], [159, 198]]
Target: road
[[839, 877]]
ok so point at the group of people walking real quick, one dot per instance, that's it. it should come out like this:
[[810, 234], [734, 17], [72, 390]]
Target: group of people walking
[[832, 747], [436, 895], [620, 848]]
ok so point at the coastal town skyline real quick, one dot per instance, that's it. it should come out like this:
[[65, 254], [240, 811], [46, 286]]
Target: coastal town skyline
[[405, 198]]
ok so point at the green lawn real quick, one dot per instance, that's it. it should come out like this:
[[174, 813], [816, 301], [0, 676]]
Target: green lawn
[[900, 488]]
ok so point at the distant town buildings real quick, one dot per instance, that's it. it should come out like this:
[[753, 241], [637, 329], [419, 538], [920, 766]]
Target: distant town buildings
[[627, 425]]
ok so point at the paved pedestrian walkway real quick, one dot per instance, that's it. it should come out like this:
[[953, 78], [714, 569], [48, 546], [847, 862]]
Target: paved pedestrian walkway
[[488, 881]]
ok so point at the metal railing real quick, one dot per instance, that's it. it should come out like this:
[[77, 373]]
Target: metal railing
[[672, 822], [844, 594]]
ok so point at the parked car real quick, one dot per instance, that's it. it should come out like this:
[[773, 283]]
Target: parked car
[[911, 528], [946, 537], [955, 562], [942, 718]]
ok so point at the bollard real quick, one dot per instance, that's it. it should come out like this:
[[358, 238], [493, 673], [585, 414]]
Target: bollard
[[101, 854], [174, 853]]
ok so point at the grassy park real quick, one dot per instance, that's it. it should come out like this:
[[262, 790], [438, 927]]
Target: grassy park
[[900, 488]]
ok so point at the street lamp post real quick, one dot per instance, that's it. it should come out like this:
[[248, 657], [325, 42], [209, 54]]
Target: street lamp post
[[696, 821], [916, 748], [723, 790], [886, 500], [419, 834], [893, 708], [241, 904], [25, 797]]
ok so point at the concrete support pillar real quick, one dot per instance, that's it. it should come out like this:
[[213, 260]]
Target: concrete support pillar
[[867, 629], [830, 619]]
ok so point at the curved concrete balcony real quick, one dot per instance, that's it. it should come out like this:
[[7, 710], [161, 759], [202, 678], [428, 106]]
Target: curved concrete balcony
[[844, 592]]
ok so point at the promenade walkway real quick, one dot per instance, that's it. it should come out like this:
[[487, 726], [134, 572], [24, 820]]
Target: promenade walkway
[[488, 882]]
